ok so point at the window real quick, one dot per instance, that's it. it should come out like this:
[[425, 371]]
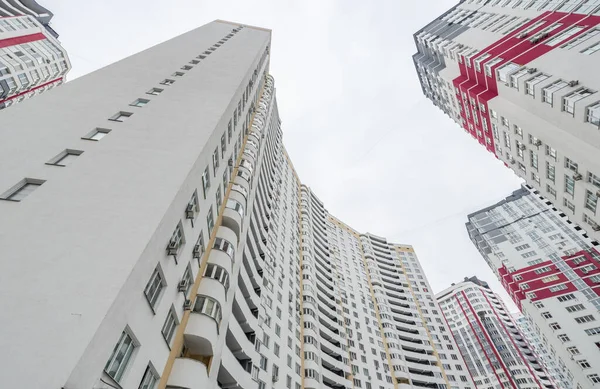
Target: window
[[154, 91], [139, 103], [551, 153], [546, 315], [534, 159], [569, 185], [225, 246], [552, 278], [177, 239], [563, 338], [205, 182], [593, 114], [563, 36], [209, 307], [575, 308], [488, 66], [167, 82], [591, 200], [22, 189], [210, 221], [504, 70], [593, 331], [154, 287], [530, 84], [554, 326], [121, 116], [218, 273], [570, 99], [65, 158], [119, 359], [550, 172], [150, 379], [548, 91], [189, 277], [593, 179], [592, 49], [584, 319], [558, 288], [178, 74], [215, 161], [566, 297], [570, 206], [595, 378]]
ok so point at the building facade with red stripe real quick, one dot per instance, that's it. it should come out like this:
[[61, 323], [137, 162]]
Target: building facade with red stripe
[[496, 353], [32, 60], [550, 268], [520, 77]]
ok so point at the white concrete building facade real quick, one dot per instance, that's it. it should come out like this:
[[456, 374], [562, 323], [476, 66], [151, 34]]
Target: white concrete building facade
[[495, 351], [550, 268], [166, 241], [520, 76]]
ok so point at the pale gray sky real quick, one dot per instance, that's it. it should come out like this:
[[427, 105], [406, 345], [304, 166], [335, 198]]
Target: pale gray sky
[[356, 125]]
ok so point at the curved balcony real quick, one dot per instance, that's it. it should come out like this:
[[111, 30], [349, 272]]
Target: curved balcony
[[189, 373], [233, 216], [239, 342], [201, 335], [335, 379], [243, 314], [248, 292], [235, 373]]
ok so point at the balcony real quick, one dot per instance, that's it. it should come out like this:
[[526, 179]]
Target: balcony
[[233, 213], [201, 336], [189, 373], [234, 373], [243, 314], [239, 342]]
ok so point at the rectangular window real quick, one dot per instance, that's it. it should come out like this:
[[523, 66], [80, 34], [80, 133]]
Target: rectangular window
[[205, 182], [154, 91], [584, 319], [593, 179], [504, 71], [65, 158], [488, 66], [530, 84], [569, 185], [119, 359], [575, 308], [215, 161], [534, 159], [563, 36], [591, 200], [570, 99], [96, 134], [580, 39], [150, 379], [569, 205], [592, 49], [550, 172], [22, 189], [593, 114], [154, 287], [210, 221], [548, 91], [121, 116], [140, 103], [167, 82]]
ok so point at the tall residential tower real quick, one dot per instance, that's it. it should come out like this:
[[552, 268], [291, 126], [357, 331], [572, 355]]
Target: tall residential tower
[[31, 58], [521, 77], [496, 353], [550, 268], [155, 234]]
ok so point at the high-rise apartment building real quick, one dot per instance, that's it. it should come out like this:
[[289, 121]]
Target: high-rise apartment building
[[31, 58], [9, 8], [549, 267], [496, 353], [541, 351], [520, 76], [154, 234]]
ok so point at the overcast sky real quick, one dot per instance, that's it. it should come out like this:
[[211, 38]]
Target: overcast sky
[[359, 131]]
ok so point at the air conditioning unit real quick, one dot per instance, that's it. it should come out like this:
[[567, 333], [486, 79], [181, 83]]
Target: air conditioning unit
[[189, 211], [534, 40], [522, 147], [596, 227], [196, 251], [573, 83], [577, 176], [537, 142], [275, 378], [172, 248], [187, 305], [230, 162], [522, 35], [512, 161], [598, 194], [531, 70], [182, 286]]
